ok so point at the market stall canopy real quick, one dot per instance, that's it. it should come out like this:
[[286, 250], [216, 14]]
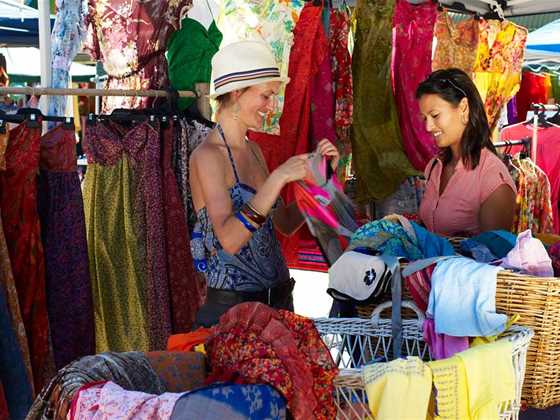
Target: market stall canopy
[[19, 25], [510, 7], [23, 66], [543, 47], [545, 39]]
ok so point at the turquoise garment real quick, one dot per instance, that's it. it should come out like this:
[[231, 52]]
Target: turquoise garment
[[189, 56], [431, 244], [388, 238], [499, 242]]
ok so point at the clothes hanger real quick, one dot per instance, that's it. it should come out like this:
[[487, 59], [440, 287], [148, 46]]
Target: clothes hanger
[[34, 116], [555, 119]]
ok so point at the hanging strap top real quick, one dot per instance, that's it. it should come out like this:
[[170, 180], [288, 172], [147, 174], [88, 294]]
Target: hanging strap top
[[221, 131]]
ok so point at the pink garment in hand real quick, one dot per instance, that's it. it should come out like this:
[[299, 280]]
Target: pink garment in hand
[[530, 256], [442, 346], [413, 31]]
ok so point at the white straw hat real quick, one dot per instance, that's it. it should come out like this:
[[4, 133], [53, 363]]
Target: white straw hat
[[243, 64]]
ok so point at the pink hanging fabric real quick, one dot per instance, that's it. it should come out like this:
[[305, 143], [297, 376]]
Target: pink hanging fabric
[[322, 104], [413, 31]]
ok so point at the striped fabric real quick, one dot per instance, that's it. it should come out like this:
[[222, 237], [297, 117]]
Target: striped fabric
[[246, 75], [419, 285]]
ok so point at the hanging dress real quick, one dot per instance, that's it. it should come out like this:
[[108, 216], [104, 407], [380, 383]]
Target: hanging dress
[[342, 82], [413, 31], [184, 286], [18, 203], [63, 230], [490, 51], [377, 152], [129, 37], [116, 243]]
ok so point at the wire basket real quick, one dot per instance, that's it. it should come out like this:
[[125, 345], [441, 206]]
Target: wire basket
[[354, 342], [536, 300]]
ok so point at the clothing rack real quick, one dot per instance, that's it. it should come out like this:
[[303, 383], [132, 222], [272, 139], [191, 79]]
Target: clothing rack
[[507, 143], [526, 142], [201, 93]]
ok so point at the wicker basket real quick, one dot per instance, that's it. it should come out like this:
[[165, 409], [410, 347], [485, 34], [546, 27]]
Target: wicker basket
[[537, 301], [354, 342]]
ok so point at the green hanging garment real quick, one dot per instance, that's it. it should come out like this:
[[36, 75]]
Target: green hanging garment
[[117, 257], [189, 55], [377, 152]]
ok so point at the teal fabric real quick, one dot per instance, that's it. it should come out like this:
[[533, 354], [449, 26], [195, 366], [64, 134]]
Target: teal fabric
[[388, 238], [499, 242], [189, 56], [431, 244]]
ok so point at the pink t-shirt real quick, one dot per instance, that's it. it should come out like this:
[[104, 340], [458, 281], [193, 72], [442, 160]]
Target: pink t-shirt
[[456, 211]]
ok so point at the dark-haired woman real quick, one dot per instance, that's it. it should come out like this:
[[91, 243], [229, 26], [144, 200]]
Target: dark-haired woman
[[469, 189]]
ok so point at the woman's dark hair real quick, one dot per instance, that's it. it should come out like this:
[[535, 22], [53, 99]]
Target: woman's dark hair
[[452, 85]]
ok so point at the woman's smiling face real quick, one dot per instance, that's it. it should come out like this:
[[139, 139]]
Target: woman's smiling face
[[445, 121]]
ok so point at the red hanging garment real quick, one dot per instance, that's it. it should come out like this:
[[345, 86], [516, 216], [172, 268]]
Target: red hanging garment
[[184, 287], [18, 203], [308, 52]]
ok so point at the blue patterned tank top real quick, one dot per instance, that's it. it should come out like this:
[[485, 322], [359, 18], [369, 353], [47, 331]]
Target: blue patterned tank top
[[258, 265]]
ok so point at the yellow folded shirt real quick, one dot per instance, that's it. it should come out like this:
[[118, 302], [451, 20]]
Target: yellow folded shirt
[[490, 378], [398, 390], [450, 382]]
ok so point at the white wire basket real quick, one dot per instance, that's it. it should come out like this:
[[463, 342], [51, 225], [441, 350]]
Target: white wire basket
[[355, 341]]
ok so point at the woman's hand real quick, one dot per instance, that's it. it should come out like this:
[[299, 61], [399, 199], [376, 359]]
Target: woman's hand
[[329, 150], [293, 169]]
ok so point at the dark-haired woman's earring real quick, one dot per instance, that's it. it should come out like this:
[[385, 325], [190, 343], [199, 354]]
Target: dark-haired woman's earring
[[235, 111]]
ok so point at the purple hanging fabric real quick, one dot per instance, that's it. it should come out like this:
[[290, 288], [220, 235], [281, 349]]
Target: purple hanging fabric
[[512, 111], [413, 31], [63, 232]]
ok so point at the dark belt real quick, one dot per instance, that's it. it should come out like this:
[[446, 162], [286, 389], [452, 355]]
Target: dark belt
[[266, 296]]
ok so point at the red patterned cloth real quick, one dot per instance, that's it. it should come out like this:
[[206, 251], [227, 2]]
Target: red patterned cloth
[[419, 285], [18, 203], [254, 343], [308, 52], [4, 413], [184, 286], [341, 72]]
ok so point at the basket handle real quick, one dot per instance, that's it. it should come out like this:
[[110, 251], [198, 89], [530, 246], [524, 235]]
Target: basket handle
[[375, 315]]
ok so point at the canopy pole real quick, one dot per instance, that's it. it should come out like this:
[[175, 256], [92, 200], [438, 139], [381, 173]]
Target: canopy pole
[[93, 92], [45, 48]]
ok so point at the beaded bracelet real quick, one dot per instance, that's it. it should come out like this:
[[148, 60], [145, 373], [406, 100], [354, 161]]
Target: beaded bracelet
[[245, 222], [252, 214]]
